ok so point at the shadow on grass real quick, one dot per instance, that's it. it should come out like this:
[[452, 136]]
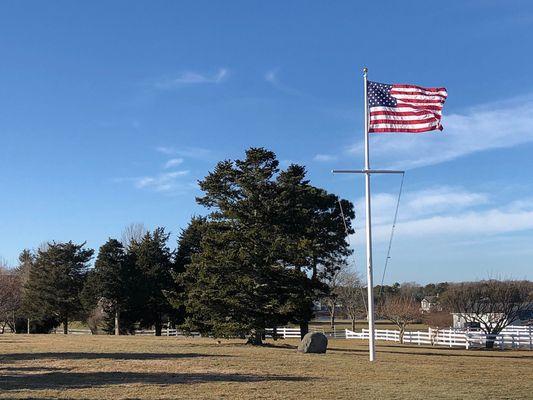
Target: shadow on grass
[[435, 352], [65, 380], [30, 369], [97, 356], [3, 341], [279, 346]]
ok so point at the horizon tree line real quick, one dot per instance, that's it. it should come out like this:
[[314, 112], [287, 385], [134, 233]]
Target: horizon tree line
[[269, 247], [260, 257]]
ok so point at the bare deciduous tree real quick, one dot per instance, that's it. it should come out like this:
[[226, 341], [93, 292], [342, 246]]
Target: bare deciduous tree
[[331, 300], [438, 319], [401, 310], [96, 318], [133, 233], [492, 304], [350, 296], [10, 297]]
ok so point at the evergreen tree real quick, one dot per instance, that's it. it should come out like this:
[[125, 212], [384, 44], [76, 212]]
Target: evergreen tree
[[26, 260], [231, 291], [153, 261], [266, 232], [112, 281], [55, 282], [23, 322], [189, 242], [314, 228]]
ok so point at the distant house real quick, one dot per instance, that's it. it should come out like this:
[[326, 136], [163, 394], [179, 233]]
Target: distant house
[[430, 303], [319, 306], [525, 318]]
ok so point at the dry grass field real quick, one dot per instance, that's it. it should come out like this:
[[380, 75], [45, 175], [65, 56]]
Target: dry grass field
[[107, 367]]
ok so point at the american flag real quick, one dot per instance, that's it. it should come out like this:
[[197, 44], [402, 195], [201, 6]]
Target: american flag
[[404, 108]]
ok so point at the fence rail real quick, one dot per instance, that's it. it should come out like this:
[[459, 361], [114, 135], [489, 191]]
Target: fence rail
[[75, 331], [282, 332], [291, 333], [509, 338], [166, 332], [513, 337], [137, 332]]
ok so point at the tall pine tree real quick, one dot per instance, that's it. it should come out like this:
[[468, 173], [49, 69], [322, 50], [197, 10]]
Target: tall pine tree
[[112, 281], [55, 282], [153, 260], [314, 224], [267, 247]]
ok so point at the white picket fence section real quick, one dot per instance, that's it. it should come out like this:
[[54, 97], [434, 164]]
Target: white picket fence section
[[283, 332], [430, 337], [73, 331], [292, 333], [166, 332], [511, 337], [139, 332]]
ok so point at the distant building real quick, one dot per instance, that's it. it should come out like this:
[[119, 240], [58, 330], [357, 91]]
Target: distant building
[[459, 322], [430, 303]]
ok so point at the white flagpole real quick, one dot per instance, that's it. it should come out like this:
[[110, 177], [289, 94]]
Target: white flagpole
[[367, 171], [369, 277]]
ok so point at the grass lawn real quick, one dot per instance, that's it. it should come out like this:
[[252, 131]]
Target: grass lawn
[[126, 367]]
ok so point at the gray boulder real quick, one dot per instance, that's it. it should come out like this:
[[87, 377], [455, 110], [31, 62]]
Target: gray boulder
[[313, 342]]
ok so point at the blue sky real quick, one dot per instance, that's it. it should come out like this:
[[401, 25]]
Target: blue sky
[[111, 111]]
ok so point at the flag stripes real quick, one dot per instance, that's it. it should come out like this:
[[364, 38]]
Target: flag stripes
[[404, 108]]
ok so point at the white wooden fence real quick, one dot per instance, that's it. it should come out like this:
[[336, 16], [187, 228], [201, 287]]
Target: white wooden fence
[[432, 337], [139, 332], [166, 332], [74, 331], [512, 337], [291, 333], [283, 332]]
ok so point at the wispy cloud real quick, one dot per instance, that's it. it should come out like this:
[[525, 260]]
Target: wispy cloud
[[436, 200], [273, 78], [173, 162], [164, 182], [486, 127], [324, 157], [441, 211], [197, 153], [171, 182], [165, 150], [186, 78], [472, 224]]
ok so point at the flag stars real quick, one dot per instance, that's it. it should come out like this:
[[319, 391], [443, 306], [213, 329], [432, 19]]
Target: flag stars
[[379, 95]]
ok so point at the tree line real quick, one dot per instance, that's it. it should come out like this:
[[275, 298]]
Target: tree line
[[266, 249], [270, 246]]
